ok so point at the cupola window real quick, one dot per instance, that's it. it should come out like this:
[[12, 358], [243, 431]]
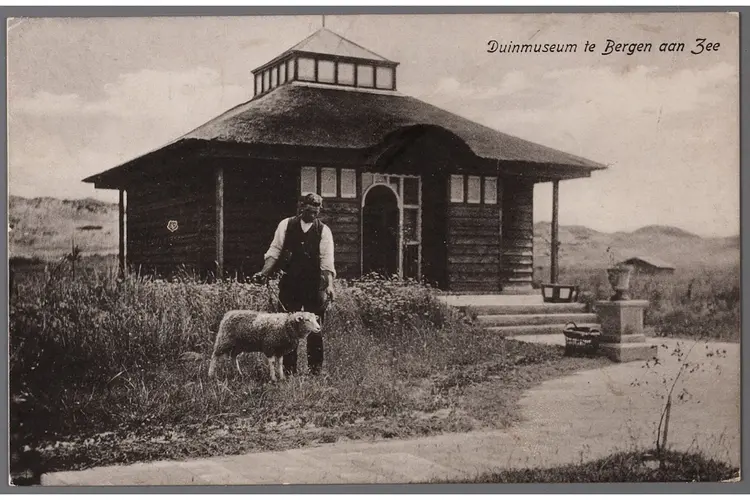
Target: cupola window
[[384, 78], [346, 73], [328, 59], [365, 77], [326, 71], [306, 69]]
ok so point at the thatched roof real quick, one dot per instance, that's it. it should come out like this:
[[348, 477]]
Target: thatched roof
[[302, 114], [312, 115]]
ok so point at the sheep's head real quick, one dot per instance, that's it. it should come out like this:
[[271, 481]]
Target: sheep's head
[[305, 323]]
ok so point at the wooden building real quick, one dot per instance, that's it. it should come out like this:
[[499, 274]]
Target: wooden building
[[410, 189], [649, 265]]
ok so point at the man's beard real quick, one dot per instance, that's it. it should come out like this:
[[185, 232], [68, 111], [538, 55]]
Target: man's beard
[[307, 217]]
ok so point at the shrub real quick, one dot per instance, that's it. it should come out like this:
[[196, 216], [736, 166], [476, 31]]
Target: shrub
[[387, 305]]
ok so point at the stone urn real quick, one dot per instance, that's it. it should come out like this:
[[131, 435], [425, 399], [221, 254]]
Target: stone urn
[[619, 278]]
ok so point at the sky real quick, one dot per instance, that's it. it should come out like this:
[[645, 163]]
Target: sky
[[87, 94]]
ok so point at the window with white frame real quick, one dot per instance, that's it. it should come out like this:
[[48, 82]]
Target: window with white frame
[[384, 77], [367, 180], [365, 75], [309, 180], [346, 73], [457, 188], [490, 190], [326, 71], [474, 189], [411, 191], [322, 68], [348, 183], [328, 182], [306, 69]]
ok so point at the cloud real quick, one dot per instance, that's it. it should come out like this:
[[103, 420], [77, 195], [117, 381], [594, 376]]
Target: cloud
[[147, 93], [45, 104], [450, 89], [661, 132], [57, 139], [672, 141]]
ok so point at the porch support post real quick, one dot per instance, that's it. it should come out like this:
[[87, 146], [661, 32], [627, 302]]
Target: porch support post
[[554, 245], [121, 234], [219, 174]]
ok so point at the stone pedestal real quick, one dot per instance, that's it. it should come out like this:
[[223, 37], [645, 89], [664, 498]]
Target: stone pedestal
[[622, 330]]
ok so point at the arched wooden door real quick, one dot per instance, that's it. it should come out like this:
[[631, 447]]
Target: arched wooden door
[[380, 231]]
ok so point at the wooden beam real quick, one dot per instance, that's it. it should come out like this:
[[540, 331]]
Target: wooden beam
[[500, 233], [554, 245], [219, 222], [121, 234]]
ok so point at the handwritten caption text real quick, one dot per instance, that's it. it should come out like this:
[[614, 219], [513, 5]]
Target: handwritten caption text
[[700, 46]]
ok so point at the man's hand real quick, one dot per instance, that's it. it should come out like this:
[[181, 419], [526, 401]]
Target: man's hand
[[259, 279], [330, 294]]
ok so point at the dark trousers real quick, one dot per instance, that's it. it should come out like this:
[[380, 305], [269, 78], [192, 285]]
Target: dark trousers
[[297, 296]]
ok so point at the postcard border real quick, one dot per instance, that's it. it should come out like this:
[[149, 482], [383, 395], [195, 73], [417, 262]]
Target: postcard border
[[630, 488]]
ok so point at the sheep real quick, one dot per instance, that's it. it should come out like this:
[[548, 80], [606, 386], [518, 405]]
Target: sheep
[[273, 334]]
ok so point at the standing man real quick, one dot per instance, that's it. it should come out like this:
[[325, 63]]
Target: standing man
[[302, 248]]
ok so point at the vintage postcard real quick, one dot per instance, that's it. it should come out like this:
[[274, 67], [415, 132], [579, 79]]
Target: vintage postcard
[[374, 249]]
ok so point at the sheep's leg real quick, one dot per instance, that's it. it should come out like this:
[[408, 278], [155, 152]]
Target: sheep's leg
[[272, 367], [236, 362], [212, 365], [281, 368]]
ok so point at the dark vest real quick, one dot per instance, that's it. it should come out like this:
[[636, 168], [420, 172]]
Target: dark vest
[[301, 252]]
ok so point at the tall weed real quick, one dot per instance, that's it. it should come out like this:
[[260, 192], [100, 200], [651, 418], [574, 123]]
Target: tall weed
[[95, 352], [690, 302]]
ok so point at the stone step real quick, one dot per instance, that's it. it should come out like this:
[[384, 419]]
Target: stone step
[[542, 308], [549, 329], [464, 300], [536, 319]]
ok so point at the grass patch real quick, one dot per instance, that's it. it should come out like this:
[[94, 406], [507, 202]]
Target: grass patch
[[100, 372], [622, 467], [691, 303]]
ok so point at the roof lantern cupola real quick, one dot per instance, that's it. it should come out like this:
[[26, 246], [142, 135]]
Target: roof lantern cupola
[[328, 59]]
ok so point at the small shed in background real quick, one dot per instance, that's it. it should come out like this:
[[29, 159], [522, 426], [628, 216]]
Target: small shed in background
[[649, 265]]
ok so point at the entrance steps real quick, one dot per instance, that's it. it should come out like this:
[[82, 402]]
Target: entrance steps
[[511, 315]]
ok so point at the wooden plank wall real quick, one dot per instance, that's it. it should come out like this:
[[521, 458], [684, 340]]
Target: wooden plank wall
[[473, 235], [518, 235], [434, 223], [257, 196], [343, 216], [189, 200]]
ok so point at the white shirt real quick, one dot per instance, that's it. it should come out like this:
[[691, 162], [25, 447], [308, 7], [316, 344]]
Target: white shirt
[[326, 244]]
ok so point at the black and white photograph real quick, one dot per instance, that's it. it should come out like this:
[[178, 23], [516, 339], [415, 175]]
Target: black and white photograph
[[357, 249]]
